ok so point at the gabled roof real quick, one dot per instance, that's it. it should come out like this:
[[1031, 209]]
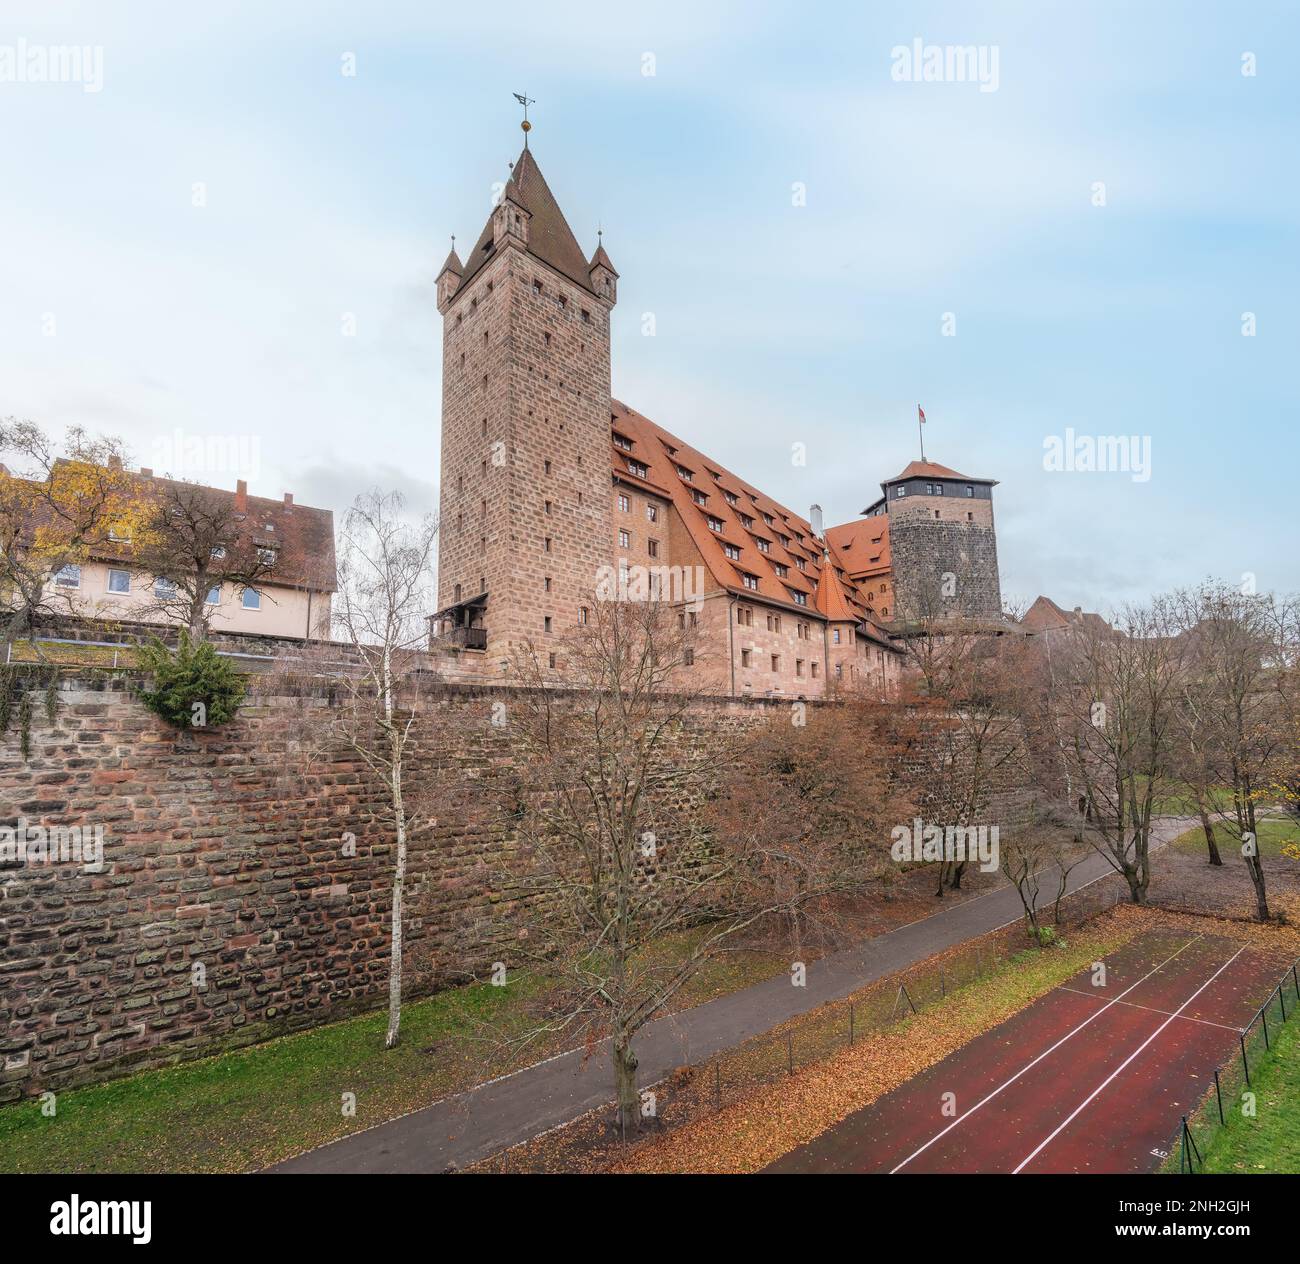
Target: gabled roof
[[302, 537], [452, 264], [1046, 616], [550, 238]]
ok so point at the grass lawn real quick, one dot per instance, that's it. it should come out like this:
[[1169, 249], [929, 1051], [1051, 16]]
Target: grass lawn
[[1274, 834], [246, 1109], [1270, 1142]]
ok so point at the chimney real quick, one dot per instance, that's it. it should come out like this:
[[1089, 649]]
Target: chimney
[[288, 502], [114, 462], [1078, 610], [241, 497], [815, 519], [146, 472]]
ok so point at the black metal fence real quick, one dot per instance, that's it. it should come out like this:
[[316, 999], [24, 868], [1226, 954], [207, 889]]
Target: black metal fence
[[1197, 1131]]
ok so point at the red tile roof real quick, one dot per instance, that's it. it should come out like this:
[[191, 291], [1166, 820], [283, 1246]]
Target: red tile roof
[[303, 537], [823, 581]]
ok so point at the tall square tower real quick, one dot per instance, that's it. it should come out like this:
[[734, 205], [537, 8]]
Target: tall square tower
[[525, 497]]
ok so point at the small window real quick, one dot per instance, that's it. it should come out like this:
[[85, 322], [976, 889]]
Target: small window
[[970, 491], [546, 623], [214, 595], [582, 614], [776, 662], [251, 599], [624, 539], [537, 287], [746, 658], [637, 468], [835, 636], [68, 576], [798, 666], [546, 467], [219, 552], [624, 504], [586, 317], [814, 670], [266, 557], [548, 506], [751, 581], [550, 658], [715, 524], [900, 492], [652, 547], [732, 552], [546, 585], [652, 513], [119, 581], [688, 657], [164, 589]]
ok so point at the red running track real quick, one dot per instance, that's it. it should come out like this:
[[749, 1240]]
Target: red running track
[[1087, 1079]]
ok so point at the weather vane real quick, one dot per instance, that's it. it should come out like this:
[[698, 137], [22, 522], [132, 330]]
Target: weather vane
[[525, 101]]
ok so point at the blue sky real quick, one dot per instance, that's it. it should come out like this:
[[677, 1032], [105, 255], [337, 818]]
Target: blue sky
[[330, 197]]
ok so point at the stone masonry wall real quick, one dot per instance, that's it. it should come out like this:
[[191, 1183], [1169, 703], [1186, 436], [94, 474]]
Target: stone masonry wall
[[225, 850]]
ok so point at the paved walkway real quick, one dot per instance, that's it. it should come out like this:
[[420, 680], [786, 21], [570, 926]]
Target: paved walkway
[[469, 1126]]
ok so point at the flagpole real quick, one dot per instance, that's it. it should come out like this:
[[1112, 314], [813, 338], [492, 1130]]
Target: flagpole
[[920, 431]]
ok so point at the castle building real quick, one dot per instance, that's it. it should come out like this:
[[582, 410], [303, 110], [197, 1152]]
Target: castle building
[[553, 492]]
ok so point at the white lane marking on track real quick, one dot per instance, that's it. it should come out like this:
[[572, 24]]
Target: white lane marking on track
[[1079, 1108], [1150, 1009], [1030, 1065]]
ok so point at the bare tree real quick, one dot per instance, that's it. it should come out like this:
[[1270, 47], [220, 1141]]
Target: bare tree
[[811, 797], [192, 542], [613, 858], [966, 696], [1237, 697], [1036, 862], [1110, 700], [383, 595], [58, 507]]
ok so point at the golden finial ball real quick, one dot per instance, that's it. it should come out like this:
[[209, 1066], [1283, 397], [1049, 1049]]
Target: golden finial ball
[[526, 125]]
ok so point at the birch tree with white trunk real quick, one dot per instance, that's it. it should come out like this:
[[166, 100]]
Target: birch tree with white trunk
[[384, 594]]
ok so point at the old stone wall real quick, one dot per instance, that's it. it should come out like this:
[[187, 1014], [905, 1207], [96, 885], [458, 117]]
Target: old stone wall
[[244, 890]]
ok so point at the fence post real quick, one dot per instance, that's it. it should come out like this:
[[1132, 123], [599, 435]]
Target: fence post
[[1281, 1000], [1218, 1092], [1263, 1014], [1245, 1063]]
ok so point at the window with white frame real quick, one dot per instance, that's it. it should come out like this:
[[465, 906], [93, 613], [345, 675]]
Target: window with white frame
[[251, 599], [68, 576], [119, 581]]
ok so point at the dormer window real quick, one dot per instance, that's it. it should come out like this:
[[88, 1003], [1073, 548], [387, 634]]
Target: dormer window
[[800, 599], [635, 467], [715, 524], [699, 497], [746, 521], [622, 441], [732, 552], [800, 563], [763, 545], [218, 553], [266, 556], [731, 498], [684, 474], [750, 581]]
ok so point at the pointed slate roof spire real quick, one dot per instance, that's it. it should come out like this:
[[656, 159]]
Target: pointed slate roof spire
[[600, 259], [452, 262], [550, 238]]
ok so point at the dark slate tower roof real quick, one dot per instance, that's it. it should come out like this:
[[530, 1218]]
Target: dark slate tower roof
[[550, 238]]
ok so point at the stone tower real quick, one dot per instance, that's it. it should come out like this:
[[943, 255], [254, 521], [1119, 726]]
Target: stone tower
[[943, 547], [526, 519]]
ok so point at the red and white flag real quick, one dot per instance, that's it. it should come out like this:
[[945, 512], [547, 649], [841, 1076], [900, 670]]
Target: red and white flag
[[920, 412]]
